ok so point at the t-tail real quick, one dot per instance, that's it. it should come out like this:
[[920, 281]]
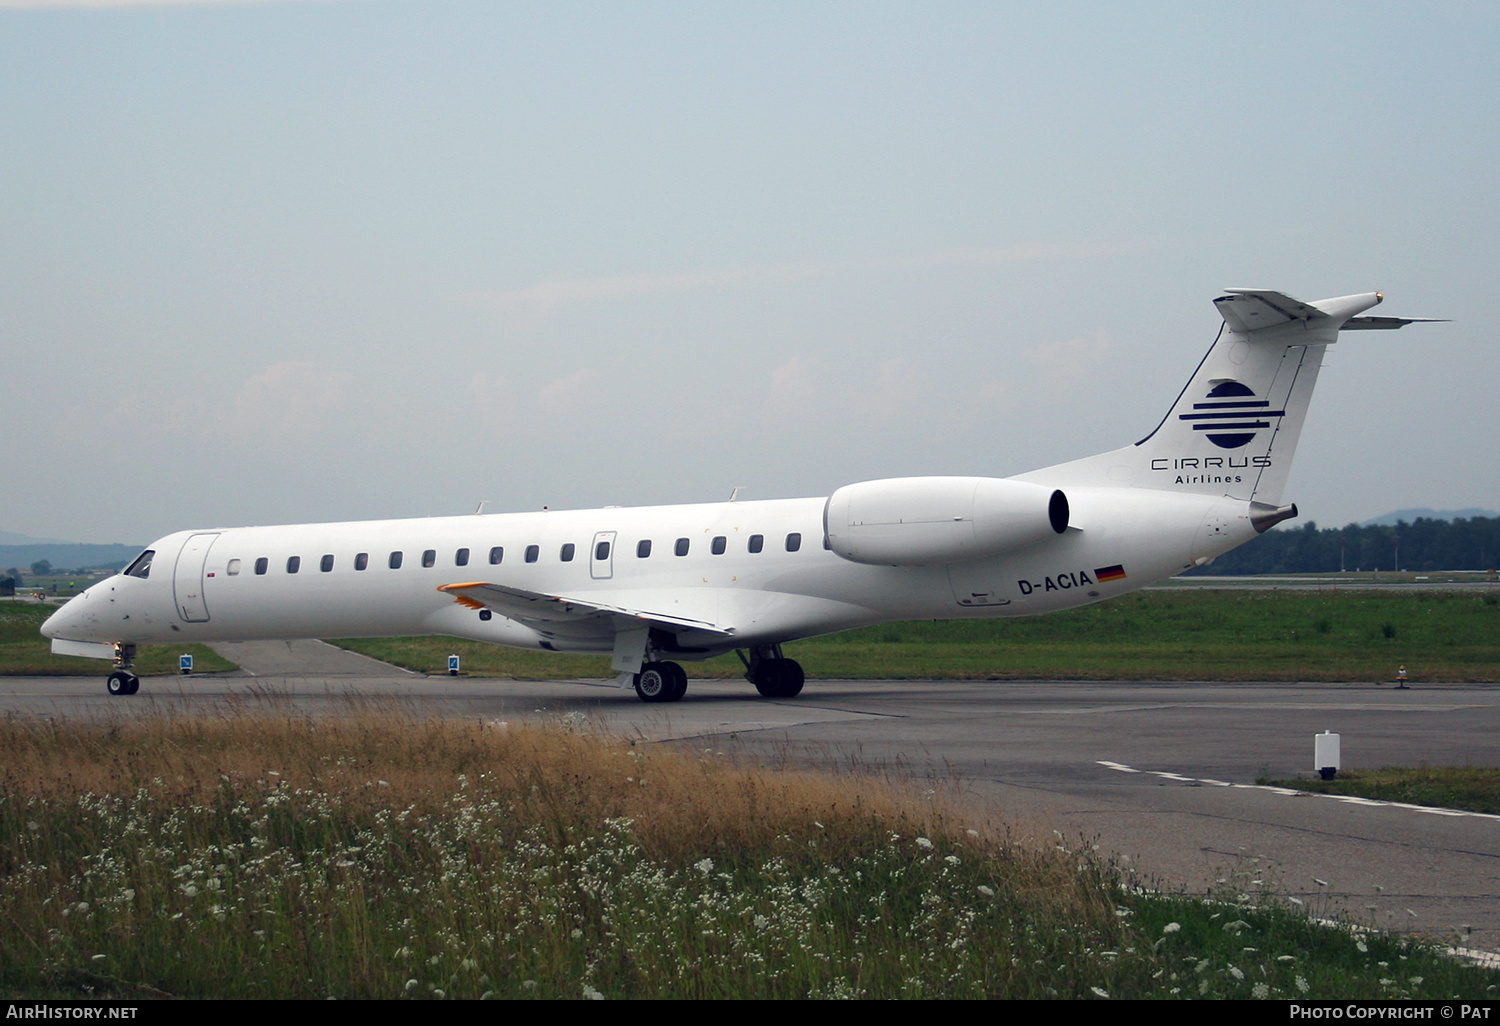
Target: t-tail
[[1233, 430]]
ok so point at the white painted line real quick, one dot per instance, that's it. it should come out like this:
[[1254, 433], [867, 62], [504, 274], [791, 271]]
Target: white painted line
[[1348, 799]]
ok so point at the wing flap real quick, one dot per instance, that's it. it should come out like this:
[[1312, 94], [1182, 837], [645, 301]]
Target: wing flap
[[534, 608]]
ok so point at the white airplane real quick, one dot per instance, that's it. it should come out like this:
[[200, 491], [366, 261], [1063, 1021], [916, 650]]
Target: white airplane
[[654, 585]]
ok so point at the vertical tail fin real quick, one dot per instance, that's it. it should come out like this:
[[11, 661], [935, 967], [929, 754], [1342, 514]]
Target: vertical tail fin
[[1234, 428]]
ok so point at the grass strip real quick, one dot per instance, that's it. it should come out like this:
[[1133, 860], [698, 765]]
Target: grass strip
[[1472, 788], [25, 653], [1175, 634]]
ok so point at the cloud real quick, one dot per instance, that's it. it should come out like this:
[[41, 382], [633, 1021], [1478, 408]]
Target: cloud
[[491, 401], [569, 395], [285, 402], [1065, 363], [896, 387], [536, 302], [793, 390]]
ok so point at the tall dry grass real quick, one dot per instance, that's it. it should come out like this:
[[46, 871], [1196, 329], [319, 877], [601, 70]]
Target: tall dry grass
[[264, 853]]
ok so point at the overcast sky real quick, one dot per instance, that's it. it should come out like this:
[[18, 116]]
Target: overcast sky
[[268, 262]]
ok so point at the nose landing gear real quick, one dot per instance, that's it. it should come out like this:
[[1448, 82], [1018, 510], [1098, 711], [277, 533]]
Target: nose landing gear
[[122, 681]]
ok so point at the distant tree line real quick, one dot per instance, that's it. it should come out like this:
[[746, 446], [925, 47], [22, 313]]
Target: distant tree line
[[1423, 544]]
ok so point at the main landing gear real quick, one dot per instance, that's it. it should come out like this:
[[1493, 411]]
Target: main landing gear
[[773, 675], [122, 681], [661, 682]]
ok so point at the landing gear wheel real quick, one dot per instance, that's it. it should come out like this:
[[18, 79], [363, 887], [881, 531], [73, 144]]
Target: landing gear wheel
[[779, 678], [655, 683], [679, 682], [122, 683]]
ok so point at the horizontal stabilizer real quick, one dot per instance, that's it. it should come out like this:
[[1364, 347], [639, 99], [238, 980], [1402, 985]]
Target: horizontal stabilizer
[[1249, 309], [1252, 309], [532, 608], [1369, 323]]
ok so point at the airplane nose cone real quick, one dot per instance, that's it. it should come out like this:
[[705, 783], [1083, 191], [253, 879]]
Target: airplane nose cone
[[53, 625], [68, 621], [56, 625]]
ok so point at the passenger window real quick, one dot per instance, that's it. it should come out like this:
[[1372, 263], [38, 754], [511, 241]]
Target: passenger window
[[429, 558], [142, 566], [496, 555], [262, 565], [461, 557], [643, 548], [233, 569], [793, 542], [719, 542], [682, 546], [601, 551], [757, 542], [567, 553], [532, 551], [327, 563], [293, 564], [361, 561], [395, 560]]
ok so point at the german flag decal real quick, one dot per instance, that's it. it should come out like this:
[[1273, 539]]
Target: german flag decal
[[1105, 574]]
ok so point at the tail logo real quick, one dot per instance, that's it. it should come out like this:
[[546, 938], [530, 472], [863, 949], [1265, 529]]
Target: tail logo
[[1232, 415]]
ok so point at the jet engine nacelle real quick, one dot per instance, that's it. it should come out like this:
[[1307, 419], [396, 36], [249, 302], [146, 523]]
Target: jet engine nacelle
[[914, 521]]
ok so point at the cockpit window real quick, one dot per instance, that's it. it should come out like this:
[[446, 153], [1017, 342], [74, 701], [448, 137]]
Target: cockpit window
[[142, 565]]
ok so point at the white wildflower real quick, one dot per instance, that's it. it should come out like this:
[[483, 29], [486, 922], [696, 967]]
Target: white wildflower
[[1260, 991], [1171, 928], [988, 892], [1100, 991], [924, 844], [704, 866], [590, 994]]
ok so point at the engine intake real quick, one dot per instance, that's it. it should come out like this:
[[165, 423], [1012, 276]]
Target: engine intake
[[916, 521]]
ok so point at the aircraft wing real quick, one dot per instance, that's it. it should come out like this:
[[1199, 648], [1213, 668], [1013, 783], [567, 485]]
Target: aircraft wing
[[534, 608]]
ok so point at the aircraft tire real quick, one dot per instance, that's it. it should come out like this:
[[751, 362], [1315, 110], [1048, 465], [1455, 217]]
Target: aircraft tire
[[654, 683], [779, 678], [792, 679], [122, 683], [679, 682]]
